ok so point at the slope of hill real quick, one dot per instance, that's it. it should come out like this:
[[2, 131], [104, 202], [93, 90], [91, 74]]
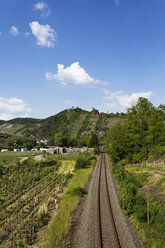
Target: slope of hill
[[65, 128], [15, 126], [2, 140], [24, 121]]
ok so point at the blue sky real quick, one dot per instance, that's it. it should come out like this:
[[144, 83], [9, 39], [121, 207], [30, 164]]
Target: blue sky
[[86, 53]]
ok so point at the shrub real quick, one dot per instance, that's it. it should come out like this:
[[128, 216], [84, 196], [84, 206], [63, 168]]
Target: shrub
[[141, 208], [82, 162], [156, 211], [128, 199], [141, 156], [78, 191], [156, 152], [119, 173], [96, 151], [132, 178]]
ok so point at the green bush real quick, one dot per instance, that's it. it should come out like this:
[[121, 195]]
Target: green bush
[[96, 151], [132, 178], [156, 152], [78, 191], [128, 199], [156, 211], [142, 155], [82, 162], [137, 157], [119, 174], [140, 208]]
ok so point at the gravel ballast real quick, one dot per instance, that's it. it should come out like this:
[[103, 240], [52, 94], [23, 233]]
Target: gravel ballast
[[83, 232]]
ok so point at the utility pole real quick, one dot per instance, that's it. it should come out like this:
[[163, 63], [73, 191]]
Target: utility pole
[[148, 214]]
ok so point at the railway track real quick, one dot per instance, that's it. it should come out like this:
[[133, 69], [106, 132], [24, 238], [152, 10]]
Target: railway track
[[107, 236], [101, 222]]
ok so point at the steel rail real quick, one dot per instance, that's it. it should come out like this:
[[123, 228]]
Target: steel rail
[[99, 207], [102, 165], [110, 207]]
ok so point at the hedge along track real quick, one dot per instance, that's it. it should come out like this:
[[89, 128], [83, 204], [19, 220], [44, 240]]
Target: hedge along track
[[107, 232], [12, 226]]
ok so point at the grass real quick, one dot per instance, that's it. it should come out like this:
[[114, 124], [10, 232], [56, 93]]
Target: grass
[[152, 236], [67, 166], [59, 226], [143, 177], [70, 157], [9, 158], [161, 181], [144, 168]]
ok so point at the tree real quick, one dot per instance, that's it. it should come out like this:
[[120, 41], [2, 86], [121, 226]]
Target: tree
[[95, 111], [19, 142], [93, 140], [134, 138], [82, 141], [118, 142], [161, 108]]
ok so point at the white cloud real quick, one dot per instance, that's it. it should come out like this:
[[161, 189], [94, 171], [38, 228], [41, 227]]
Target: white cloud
[[117, 2], [111, 105], [49, 75], [125, 101], [112, 95], [73, 73], [43, 7], [105, 83], [26, 34], [44, 34], [106, 91], [64, 83], [14, 31], [0, 33], [13, 107], [40, 5], [68, 102]]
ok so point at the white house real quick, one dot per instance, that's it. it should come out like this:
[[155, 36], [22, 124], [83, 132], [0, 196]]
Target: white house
[[43, 149], [4, 150], [24, 149], [34, 149], [16, 150]]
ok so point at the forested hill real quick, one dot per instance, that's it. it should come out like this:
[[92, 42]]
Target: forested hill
[[67, 128]]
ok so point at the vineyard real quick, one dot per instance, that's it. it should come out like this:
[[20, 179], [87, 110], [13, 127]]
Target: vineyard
[[30, 191]]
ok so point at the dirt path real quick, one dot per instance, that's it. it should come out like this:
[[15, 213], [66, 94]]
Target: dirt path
[[83, 228]]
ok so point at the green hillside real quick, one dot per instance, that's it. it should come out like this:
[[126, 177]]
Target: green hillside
[[68, 128], [24, 121], [2, 140]]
